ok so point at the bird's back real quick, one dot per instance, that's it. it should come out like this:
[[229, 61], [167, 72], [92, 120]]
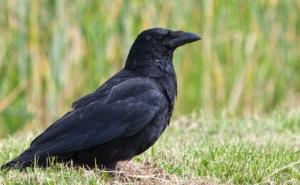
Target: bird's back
[[147, 124]]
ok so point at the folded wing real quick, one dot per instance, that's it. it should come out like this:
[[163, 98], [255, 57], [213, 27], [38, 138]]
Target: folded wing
[[128, 107]]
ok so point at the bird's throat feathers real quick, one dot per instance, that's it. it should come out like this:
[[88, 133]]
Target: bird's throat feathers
[[152, 65], [159, 68]]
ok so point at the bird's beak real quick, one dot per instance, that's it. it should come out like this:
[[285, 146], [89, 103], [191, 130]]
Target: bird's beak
[[179, 38]]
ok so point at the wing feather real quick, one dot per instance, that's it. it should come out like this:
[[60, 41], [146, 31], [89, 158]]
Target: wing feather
[[129, 107]]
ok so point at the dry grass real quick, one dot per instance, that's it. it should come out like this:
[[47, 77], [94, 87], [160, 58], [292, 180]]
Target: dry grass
[[148, 174]]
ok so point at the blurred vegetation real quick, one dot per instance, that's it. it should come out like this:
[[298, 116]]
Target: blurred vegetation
[[52, 52]]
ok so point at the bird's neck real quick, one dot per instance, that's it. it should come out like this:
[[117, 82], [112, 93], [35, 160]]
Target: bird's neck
[[160, 69], [150, 67], [148, 63], [169, 84]]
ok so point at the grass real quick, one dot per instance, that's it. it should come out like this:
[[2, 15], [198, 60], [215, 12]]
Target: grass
[[197, 149], [247, 62]]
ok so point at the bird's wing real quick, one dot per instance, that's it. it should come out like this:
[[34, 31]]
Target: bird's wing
[[127, 109]]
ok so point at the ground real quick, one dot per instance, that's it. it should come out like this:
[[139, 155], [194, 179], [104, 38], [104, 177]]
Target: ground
[[195, 149]]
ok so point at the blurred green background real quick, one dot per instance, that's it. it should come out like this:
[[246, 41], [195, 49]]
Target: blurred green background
[[54, 51]]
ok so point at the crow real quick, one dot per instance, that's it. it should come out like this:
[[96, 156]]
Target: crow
[[122, 118]]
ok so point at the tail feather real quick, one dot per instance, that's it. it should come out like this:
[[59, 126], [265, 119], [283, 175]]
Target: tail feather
[[34, 157], [26, 159], [11, 165]]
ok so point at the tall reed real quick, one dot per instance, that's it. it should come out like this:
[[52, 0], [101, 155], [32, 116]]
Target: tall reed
[[52, 52]]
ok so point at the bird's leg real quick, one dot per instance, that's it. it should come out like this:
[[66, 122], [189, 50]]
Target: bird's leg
[[110, 167]]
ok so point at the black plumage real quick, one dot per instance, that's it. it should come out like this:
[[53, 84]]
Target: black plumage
[[123, 117]]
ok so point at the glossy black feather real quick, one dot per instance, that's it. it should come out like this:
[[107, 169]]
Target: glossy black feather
[[122, 118]]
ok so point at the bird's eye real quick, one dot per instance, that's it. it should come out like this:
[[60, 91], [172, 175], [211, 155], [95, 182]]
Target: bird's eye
[[148, 37]]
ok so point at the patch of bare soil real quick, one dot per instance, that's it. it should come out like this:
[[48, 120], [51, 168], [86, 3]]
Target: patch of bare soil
[[148, 174]]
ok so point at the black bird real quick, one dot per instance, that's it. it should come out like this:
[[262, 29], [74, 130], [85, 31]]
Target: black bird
[[123, 117]]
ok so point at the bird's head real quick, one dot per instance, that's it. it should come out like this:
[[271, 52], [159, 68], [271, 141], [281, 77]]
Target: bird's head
[[156, 45]]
